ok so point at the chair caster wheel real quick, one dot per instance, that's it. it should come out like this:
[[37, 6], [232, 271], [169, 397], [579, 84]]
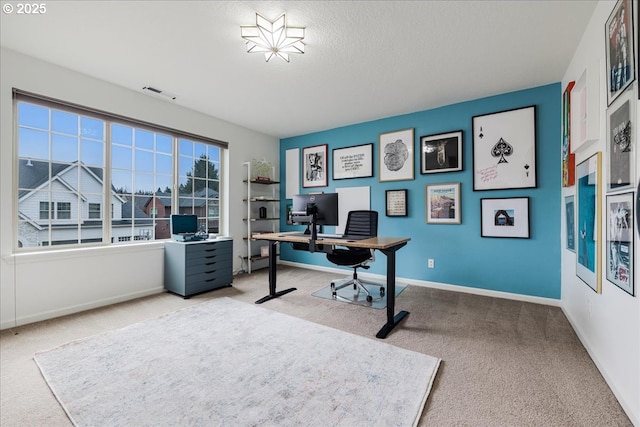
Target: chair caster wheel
[[381, 292], [369, 298]]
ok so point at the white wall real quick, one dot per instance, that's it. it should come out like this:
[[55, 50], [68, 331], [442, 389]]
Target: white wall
[[44, 285], [608, 324]]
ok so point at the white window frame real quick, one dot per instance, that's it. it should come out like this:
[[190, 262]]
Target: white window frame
[[107, 215]]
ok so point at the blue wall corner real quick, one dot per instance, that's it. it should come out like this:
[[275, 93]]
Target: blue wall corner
[[520, 266]]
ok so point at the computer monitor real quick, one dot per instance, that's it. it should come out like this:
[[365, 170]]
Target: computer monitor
[[324, 206], [184, 224]]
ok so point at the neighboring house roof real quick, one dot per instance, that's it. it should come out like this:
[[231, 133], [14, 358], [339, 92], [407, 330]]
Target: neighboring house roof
[[138, 214], [33, 174]]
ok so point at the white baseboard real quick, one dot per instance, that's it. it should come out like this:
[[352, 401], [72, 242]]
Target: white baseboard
[[7, 324], [37, 317], [601, 367], [435, 285]]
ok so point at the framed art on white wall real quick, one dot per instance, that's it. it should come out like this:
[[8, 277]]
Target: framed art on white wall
[[588, 204], [621, 141], [620, 253], [620, 49]]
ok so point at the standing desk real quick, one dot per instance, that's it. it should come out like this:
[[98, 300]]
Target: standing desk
[[387, 245]]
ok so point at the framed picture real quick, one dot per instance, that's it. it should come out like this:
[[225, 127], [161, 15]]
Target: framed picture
[[589, 200], [570, 217], [441, 153], [314, 166], [621, 142], [504, 149], [620, 51], [568, 157], [396, 202], [620, 254], [506, 217], [443, 203], [396, 155], [353, 162]]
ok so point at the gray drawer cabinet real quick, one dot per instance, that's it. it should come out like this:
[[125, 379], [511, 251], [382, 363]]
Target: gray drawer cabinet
[[194, 267]]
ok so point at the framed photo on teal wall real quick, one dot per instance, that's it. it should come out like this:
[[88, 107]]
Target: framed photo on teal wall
[[441, 152], [504, 149], [589, 200], [353, 162], [396, 155], [443, 203], [505, 217], [314, 166]]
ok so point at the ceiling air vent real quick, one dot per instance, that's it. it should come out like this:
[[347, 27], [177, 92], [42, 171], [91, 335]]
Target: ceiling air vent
[[158, 92]]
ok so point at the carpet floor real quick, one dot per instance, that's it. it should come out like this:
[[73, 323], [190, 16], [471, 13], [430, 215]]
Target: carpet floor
[[504, 362]]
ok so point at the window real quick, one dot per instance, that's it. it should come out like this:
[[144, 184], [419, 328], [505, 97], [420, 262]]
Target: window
[[63, 210], [45, 212], [94, 210], [72, 161]]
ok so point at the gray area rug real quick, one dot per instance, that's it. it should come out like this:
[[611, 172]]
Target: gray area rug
[[358, 297], [225, 362]]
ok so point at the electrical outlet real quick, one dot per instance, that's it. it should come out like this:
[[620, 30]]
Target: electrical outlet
[[431, 263]]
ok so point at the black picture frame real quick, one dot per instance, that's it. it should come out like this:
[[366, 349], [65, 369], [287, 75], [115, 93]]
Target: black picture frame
[[353, 162], [621, 144], [620, 266], [620, 51], [505, 217], [504, 150], [396, 202], [314, 166], [441, 152]]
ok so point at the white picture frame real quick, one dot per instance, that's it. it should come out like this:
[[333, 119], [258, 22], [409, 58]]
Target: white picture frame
[[396, 156]]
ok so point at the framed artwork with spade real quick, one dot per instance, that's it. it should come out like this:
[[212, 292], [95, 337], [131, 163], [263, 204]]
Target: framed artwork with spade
[[504, 149]]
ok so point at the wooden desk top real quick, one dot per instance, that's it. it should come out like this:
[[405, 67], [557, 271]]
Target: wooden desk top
[[296, 237]]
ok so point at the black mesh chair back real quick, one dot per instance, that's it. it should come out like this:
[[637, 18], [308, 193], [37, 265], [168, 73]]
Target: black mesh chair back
[[362, 223]]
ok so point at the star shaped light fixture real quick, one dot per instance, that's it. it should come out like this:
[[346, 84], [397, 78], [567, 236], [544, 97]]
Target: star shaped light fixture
[[273, 38]]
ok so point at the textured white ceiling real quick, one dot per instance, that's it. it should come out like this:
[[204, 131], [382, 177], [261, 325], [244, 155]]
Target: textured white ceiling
[[364, 60]]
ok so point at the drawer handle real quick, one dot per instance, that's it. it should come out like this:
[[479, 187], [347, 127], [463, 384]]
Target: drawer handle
[[211, 250], [210, 280], [211, 263]]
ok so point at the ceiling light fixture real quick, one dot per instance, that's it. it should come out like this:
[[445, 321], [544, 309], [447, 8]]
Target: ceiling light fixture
[[273, 38]]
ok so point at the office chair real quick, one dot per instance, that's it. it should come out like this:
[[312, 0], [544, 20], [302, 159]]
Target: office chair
[[359, 224]]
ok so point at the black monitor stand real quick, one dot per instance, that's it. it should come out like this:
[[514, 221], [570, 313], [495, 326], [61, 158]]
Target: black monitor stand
[[312, 210]]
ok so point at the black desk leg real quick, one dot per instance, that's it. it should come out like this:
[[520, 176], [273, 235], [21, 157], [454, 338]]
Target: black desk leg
[[392, 320], [272, 276]]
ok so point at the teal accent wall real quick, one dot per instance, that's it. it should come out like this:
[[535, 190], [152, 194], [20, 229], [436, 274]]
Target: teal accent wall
[[520, 266]]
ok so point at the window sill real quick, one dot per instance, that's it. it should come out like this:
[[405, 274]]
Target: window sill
[[78, 252]]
